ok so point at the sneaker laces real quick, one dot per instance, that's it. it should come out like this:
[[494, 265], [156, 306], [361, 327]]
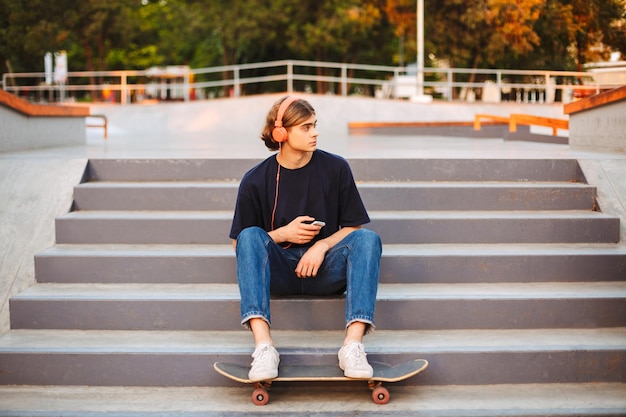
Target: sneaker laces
[[356, 352], [263, 355]]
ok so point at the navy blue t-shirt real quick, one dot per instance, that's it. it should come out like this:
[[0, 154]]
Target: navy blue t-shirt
[[323, 189]]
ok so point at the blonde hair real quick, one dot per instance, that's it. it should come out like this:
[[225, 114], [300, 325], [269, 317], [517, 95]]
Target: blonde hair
[[298, 112]]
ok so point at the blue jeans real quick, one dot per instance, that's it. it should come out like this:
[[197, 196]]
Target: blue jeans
[[265, 268]]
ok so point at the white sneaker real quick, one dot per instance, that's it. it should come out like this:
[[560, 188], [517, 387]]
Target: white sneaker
[[353, 361], [265, 363]]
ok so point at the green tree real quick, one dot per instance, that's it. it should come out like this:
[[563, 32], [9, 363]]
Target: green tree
[[86, 29], [338, 30], [477, 33], [32, 33], [137, 34], [554, 28], [514, 33], [5, 62], [596, 21], [402, 17], [335, 30], [571, 31], [99, 26], [241, 29], [512, 24]]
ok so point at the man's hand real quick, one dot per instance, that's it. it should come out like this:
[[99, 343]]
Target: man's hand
[[299, 231], [312, 260]]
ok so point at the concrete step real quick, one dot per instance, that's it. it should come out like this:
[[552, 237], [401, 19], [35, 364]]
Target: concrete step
[[564, 170], [211, 195], [168, 195], [497, 271], [522, 400], [399, 307], [212, 227], [189, 264], [184, 358], [450, 196]]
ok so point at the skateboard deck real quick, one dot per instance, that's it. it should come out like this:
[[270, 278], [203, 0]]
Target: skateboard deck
[[320, 373]]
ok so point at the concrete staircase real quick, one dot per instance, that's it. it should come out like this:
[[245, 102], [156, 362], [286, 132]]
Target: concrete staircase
[[502, 273]]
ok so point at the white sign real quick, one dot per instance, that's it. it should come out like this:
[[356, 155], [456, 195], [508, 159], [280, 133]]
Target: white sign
[[47, 63], [60, 67]]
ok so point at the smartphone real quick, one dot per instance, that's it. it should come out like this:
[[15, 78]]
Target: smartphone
[[318, 223]]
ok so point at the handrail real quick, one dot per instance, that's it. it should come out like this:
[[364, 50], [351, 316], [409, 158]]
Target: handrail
[[523, 119], [478, 118], [344, 79], [104, 125]]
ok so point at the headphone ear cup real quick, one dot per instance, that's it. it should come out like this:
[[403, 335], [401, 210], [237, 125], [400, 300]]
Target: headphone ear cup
[[279, 134]]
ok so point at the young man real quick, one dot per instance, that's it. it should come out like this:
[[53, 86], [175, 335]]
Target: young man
[[297, 231]]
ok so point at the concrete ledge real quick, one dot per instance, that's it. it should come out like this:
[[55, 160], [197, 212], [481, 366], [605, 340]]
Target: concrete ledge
[[28, 126], [598, 122], [617, 94], [29, 109]]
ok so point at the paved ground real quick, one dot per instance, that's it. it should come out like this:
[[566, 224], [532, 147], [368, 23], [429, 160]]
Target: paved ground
[[229, 128], [458, 401]]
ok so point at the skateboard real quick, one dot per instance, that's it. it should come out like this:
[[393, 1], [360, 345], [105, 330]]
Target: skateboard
[[316, 373]]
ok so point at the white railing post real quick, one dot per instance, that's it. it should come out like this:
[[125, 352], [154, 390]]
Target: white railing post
[[186, 86], [420, 48], [344, 80], [289, 77], [394, 83], [124, 89], [237, 85]]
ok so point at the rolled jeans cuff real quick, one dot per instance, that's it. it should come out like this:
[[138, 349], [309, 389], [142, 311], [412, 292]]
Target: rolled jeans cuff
[[369, 324], [245, 322]]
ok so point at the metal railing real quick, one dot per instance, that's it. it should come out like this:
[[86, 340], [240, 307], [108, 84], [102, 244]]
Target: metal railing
[[523, 119], [104, 125], [307, 76]]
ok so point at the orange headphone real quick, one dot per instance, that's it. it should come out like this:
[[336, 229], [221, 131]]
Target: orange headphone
[[279, 134]]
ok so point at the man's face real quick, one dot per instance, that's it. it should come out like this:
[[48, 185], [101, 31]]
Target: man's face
[[303, 137]]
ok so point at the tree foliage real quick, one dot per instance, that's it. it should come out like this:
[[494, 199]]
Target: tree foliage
[[593, 22], [136, 34]]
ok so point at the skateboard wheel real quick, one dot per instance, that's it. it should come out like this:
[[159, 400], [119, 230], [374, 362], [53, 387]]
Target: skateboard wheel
[[380, 395], [260, 396]]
